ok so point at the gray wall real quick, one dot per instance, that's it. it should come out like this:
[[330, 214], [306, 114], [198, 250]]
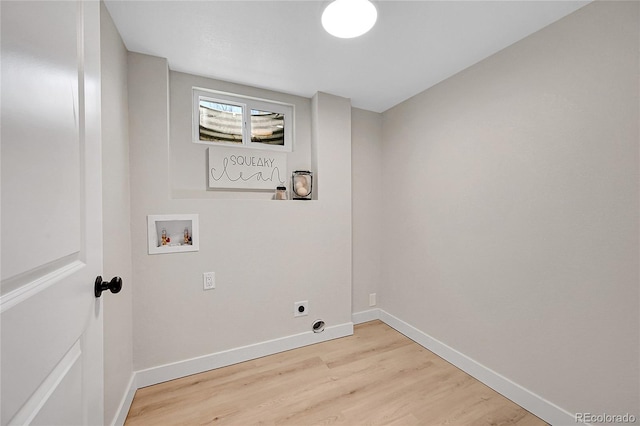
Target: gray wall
[[266, 254], [118, 336], [366, 175], [511, 211]]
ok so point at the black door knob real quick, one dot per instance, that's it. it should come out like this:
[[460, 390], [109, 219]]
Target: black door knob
[[115, 285]]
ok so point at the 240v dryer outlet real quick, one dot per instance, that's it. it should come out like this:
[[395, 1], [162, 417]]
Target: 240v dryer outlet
[[301, 309]]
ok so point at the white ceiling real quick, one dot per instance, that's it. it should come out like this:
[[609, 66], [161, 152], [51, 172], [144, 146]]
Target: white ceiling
[[280, 45]]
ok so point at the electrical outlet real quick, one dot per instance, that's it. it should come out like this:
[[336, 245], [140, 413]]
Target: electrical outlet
[[209, 280], [301, 309], [372, 299]]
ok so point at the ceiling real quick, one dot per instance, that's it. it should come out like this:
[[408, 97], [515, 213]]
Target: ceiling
[[280, 45]]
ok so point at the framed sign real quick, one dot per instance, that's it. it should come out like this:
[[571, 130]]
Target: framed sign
[[242, 168]]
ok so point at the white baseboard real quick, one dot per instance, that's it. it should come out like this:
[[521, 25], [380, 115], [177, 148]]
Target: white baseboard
[[126, 402], [530, 401], [365, 316], [163, 373]]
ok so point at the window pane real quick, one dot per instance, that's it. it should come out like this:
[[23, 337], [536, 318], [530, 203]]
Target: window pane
[[220, 122], [267, 127]]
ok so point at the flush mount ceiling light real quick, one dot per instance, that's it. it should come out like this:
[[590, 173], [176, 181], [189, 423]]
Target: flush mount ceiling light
[[349, 18]]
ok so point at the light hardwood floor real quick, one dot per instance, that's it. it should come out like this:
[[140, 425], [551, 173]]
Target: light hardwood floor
[[377, 376]]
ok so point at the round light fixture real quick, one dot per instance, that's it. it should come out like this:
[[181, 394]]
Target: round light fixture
[[349, 18]]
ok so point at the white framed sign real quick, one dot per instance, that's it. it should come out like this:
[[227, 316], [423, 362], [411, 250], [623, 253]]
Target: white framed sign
[[243, 168]]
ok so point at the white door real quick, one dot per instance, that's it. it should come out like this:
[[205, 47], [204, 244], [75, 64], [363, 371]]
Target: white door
[[51, 322]]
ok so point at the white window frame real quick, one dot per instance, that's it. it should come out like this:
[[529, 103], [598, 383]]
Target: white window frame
[[247, 103]]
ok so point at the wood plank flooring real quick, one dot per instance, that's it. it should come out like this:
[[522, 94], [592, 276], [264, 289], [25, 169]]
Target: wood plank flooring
[[375, 377]]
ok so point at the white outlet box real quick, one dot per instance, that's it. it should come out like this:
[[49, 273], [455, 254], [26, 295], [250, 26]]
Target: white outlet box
[[301, 309], [209, 280], [372, 299]]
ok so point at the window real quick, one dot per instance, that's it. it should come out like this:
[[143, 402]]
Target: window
[[233, 120]]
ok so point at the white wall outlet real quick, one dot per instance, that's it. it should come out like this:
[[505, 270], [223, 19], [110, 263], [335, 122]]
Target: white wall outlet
[[301, 309], [372, 299], [209, 280]]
